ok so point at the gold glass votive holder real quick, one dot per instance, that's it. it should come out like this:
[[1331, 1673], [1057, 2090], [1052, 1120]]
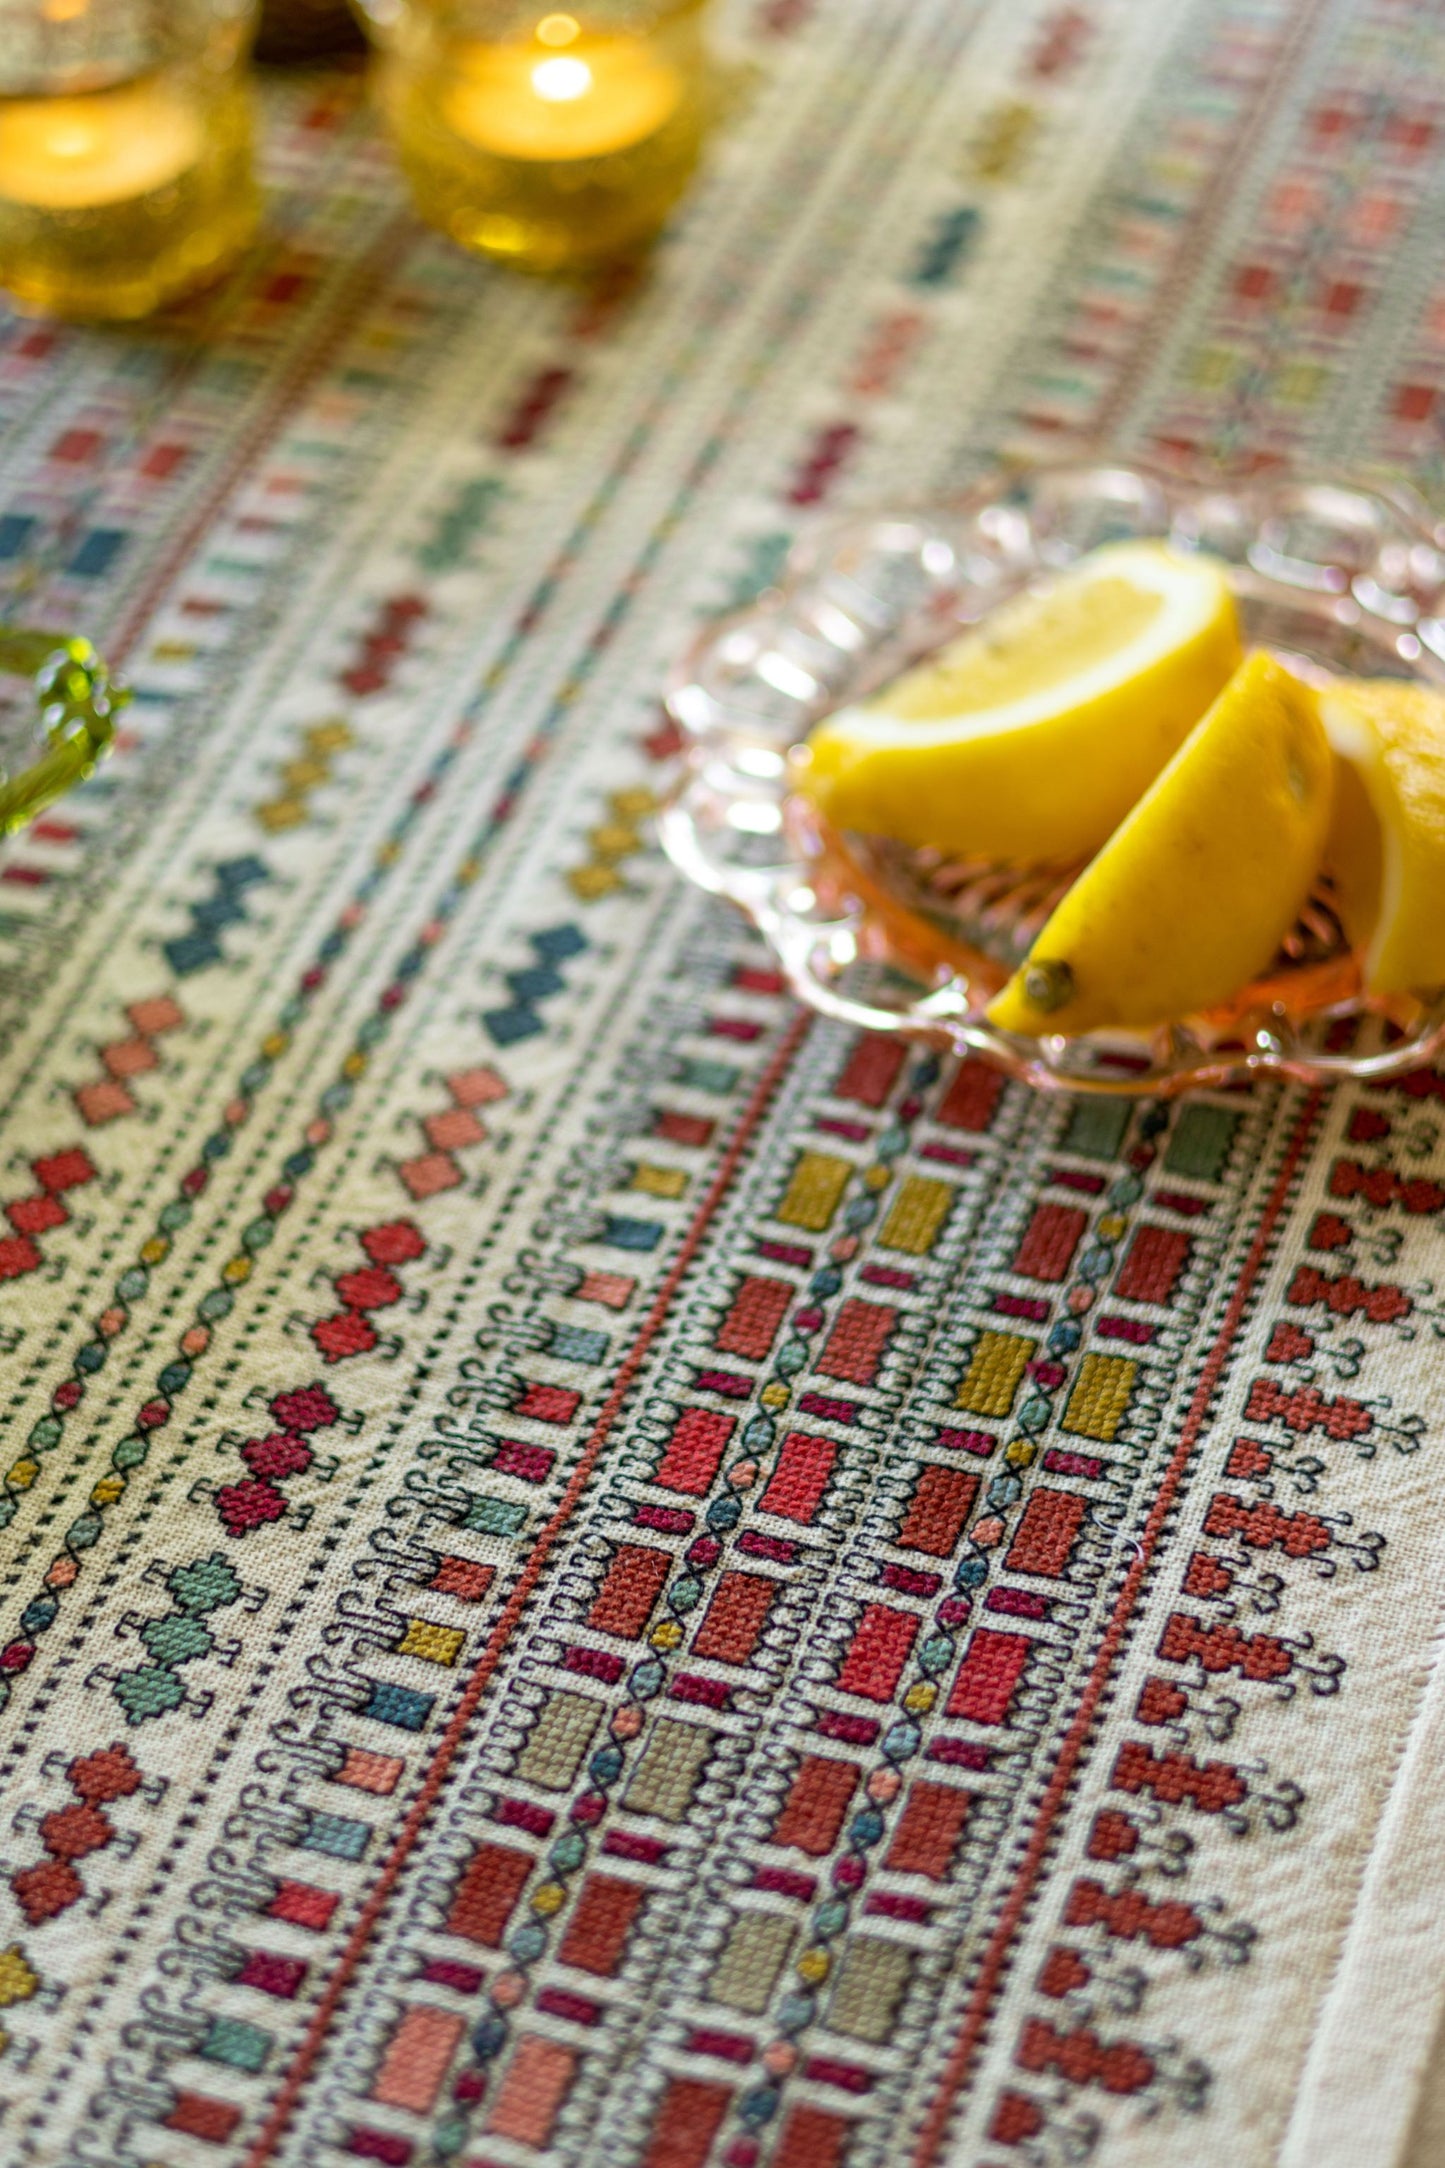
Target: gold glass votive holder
[[125, 150], [553, 138]]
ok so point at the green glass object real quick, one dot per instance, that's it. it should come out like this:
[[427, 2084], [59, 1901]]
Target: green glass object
[[46, 750]]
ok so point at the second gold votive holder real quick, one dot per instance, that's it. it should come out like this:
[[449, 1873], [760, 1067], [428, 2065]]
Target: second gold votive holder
[[552, 139]]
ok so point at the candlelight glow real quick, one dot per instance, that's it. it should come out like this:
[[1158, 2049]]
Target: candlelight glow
[[99, 147], [72, 142], [561, 80]]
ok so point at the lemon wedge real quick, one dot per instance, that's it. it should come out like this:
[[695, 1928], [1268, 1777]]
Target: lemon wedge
[[1027, 739], [1193, 893], [1386, 846]]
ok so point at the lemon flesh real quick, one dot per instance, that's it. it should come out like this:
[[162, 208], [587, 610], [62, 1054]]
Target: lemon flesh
[[1386, 846], [1027, 739], [1192, 895]]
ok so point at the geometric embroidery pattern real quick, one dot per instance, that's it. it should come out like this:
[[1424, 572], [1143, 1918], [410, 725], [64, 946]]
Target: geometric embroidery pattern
[[31, 1216], [842, 1591], [109, 1097]]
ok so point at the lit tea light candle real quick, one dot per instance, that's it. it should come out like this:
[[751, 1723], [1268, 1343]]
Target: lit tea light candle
[[104, 147], [562, 97], [557, 144]]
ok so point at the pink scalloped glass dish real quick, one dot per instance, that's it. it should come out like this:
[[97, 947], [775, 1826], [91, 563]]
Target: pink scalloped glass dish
[[1332, 577]]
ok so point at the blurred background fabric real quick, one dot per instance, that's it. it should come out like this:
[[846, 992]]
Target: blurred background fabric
[[292, 30]]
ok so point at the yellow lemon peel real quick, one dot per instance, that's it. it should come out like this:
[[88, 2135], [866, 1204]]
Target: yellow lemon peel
[[1386, 846], [1193, 893], [1027, 739]]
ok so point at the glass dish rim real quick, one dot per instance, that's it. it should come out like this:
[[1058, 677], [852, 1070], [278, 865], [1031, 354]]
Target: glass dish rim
[[798, 939]]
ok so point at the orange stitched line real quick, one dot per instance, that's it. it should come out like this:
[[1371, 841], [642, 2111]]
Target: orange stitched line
[[301, 2066], [296, 381], [1056, 1791]]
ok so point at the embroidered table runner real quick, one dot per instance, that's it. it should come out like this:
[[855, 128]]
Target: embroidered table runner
[[596, 1571]]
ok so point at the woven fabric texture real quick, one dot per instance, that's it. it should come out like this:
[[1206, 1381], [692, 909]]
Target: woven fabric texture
[[594, 1571]]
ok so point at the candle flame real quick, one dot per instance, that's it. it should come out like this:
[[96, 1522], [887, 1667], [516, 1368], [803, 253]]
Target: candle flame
[[559, 81], [72, 140]]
